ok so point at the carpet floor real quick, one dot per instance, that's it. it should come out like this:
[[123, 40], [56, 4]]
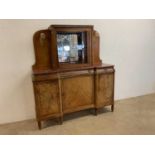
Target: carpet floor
[[133, 116]]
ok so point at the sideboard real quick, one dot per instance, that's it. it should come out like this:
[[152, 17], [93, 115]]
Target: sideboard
[[68, 75]]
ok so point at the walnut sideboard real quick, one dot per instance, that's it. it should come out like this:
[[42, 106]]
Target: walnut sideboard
[[65, 84]]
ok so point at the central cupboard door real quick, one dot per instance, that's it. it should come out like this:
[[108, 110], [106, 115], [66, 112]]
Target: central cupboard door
[[77, 90]]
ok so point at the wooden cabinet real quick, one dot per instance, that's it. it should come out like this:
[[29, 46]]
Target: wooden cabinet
[[73, 91], [68, 75]]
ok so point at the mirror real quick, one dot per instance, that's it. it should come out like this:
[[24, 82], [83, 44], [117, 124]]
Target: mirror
[[71, 47]]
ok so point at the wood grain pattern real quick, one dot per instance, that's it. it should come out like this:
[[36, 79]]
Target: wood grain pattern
[[104, 89], [96, 49], [41, 40], [77, 91], [47, 98]]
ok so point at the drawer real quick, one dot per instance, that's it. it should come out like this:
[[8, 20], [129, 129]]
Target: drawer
[[76, 73]]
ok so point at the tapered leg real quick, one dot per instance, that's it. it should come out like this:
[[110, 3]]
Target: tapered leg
[[112, 107], [39, 125], [61, 120], [96, 111]]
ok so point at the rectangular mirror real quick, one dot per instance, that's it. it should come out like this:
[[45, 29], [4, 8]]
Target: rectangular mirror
[[71, 47]]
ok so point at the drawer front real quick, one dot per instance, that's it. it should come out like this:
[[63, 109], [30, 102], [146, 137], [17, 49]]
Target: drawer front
[[47, 98], [76, 73]]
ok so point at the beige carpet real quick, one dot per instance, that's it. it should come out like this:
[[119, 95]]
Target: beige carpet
[[131, 116]]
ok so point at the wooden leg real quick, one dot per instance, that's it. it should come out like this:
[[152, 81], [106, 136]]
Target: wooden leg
[[112, 107], [39, 125], [61, 120], [96, 111]]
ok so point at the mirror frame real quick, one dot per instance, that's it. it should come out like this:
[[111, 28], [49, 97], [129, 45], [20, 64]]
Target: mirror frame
[[71, 29]]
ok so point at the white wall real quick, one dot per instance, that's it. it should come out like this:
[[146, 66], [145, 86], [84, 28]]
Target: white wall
[[129, 44]]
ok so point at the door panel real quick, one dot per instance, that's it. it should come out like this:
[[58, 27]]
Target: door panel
[[77, 91], [47, 97], [104, 89]]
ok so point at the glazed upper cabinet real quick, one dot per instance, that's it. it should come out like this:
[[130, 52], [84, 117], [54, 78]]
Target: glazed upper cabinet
[[68, 74]]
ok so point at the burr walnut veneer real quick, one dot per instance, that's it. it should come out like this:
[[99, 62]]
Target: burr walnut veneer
[[68, 75]]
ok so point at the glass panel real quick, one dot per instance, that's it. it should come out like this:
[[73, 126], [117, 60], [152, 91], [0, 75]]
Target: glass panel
[[71, 47]]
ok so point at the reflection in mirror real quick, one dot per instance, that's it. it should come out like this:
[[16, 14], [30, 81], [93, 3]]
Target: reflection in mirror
[[71, 47]]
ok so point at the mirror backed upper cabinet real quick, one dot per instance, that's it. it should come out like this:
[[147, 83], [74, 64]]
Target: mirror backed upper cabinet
[[66, 46], [72, 47]]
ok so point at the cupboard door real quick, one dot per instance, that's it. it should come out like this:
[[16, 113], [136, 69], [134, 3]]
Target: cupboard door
[[104, 82], [47, 98], [77, 92]]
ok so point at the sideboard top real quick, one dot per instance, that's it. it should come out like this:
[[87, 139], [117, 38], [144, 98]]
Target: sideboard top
[[73, 69]]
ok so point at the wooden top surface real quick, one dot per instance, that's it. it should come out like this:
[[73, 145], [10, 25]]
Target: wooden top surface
[[71, 26], [72, 69]]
